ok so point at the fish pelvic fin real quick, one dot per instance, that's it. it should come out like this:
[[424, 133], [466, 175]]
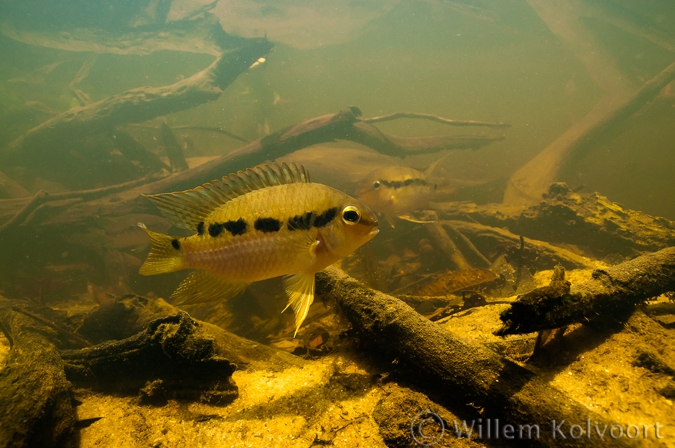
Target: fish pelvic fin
[[204, 287], [165, 254], [300, 290]]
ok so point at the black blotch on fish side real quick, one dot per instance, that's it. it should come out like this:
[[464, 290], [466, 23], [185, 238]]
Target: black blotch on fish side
[[215, 229], [175, 244], [200, 228], [237, 227], [301, 222], [324, 218], [267, 224]]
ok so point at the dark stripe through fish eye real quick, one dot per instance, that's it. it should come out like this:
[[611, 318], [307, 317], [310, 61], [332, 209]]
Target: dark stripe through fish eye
[[267, 225], [200, 228], [406, 183], [175, 244], [324, 218]]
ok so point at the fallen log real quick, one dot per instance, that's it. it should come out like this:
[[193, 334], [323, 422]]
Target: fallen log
[[127, 316], [24, 214], [173, 354], [611, 293], [36, 406], [468, 372], [447, 245]]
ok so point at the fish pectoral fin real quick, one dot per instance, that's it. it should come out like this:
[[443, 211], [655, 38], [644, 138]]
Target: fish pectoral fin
[[202, 287], [300, 290], [301, 245]]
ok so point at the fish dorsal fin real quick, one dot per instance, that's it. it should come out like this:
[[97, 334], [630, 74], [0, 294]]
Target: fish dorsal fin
[[186, 209]]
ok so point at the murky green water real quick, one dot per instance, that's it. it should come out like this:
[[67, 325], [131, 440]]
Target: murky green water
[[571, 79]]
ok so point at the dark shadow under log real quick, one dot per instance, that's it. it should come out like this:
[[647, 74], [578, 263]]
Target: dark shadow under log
[[466, 372]]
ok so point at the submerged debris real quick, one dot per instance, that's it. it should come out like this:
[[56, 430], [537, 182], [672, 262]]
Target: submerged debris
[[453, 281], [611, 293], [173, 357]]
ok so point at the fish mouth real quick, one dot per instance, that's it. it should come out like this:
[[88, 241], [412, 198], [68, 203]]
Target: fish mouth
[[374, 232]]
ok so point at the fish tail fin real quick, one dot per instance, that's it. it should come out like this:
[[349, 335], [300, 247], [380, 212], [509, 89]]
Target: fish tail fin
[[300, 290], [165, 254]]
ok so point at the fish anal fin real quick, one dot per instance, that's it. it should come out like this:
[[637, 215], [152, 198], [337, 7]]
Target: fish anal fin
[[203, 287], [300, 290]]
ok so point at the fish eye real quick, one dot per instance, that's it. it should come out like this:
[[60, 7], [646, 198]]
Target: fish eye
[[351, 215], [376, 184]]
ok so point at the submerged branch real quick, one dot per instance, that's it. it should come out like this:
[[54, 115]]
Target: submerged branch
[[142, 104], [611, 293], [30, 205], [343, 125], [396, 116]]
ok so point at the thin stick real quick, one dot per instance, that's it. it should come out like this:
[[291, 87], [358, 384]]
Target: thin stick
[[445, 243], [41, 197], [486, 263], [436, 118], [26, 210]]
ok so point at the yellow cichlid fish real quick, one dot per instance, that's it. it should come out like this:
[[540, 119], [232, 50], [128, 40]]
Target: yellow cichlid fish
[[395, 190], [265, 222]]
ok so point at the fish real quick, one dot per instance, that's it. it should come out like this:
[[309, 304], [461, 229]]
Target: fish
[[395, 191], [265, 222]]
